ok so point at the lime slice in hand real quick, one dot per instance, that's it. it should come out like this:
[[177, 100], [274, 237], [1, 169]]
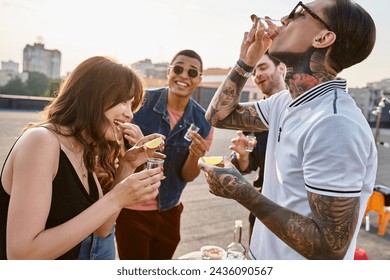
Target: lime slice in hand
[[152, 144], [214, 160]]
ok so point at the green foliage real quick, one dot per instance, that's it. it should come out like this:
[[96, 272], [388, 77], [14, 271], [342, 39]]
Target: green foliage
[[52, 89], [36, 85], [16, 87]]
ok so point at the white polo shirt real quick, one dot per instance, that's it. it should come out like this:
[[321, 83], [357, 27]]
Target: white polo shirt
[[321, 143]]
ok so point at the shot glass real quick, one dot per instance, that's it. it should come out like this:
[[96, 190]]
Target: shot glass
[[251, 142], [277, 22], [192, 127], [154, 163]]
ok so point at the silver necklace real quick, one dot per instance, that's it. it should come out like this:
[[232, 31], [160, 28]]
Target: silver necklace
[[80, 161]]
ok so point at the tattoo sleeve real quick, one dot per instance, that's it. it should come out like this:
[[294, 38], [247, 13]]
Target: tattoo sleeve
[[326, 235], [225, 111]]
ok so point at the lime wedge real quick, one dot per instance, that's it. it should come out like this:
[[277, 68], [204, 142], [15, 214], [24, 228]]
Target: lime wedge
[[152, 144], [214, 160]]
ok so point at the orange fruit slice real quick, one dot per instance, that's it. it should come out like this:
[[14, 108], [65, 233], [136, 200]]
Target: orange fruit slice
[[214, 160], [152, 144]]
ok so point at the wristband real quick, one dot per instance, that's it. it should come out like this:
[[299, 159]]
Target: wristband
[[242, 69]]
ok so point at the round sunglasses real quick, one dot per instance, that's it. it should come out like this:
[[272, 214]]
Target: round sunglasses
[[192, 73]]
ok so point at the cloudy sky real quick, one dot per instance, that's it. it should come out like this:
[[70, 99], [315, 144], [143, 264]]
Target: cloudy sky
[[132, 30]]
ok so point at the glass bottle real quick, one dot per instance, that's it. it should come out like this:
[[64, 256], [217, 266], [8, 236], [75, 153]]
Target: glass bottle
[[236, 250]]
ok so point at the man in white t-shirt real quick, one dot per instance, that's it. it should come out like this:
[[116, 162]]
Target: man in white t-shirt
[[321, 157]]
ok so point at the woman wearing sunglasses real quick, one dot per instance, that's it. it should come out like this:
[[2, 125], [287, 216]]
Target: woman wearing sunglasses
[[151, 230]]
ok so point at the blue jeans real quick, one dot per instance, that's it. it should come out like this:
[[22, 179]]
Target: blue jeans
[[97, 248]]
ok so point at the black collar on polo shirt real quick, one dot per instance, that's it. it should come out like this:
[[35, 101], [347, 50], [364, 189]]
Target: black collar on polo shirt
[[318, 91]]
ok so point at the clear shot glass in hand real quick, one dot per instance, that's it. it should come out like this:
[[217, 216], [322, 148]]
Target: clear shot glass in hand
[[192, 127], [277, 22], [154, 163], [251, 142]]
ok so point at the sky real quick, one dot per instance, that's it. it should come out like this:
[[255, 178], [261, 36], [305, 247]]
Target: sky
[[134, 30]]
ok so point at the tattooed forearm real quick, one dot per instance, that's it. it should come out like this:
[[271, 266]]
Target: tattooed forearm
[[226, 98], [326, 235], [337, 219], [244, 117]]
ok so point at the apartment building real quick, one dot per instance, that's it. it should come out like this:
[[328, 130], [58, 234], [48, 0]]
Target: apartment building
[[10, 71], [38, 59]]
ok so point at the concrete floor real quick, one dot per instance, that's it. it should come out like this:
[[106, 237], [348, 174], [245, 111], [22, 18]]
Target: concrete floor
[[207, 219]]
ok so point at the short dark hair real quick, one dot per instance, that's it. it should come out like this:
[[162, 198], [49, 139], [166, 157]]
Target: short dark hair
[[355, 33], [275, 61], [189, 53]]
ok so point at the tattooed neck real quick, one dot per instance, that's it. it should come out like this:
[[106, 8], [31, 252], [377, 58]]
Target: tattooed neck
[[305, 70]]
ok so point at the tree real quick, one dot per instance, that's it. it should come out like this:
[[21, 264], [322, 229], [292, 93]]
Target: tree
[[16, 87], [52, 89], [37, 83]]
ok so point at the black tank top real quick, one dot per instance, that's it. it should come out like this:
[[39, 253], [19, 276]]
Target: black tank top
[[69, 198]]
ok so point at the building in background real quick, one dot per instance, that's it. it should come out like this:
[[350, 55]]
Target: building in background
[[363, 99], [369, 98], [213, 77], [10, 71], [151, 70], [10, 66], [38, 59]]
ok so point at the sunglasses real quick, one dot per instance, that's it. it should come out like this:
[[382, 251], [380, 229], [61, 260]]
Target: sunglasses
[[192, 73], [295, 12]]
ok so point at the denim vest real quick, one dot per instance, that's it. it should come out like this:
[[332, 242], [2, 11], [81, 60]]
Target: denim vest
[[153, 118]]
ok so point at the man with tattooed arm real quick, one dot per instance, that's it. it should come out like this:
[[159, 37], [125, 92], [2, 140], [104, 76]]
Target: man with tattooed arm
[[321, 155]]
